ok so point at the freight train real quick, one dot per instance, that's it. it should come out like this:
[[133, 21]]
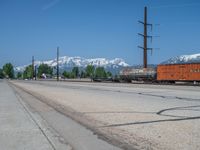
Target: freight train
[[168, 73]]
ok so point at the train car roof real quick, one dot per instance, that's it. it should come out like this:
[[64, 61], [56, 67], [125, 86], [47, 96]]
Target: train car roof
[[178, 64]]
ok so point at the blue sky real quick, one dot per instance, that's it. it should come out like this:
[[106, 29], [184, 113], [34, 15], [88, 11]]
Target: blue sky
[[96, 28]]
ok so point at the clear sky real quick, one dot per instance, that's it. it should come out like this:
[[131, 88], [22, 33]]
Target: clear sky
[[96, 28]]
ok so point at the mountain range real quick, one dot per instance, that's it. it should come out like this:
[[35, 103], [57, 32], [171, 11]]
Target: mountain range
[[183, 59], [67, 63], [112, 65]]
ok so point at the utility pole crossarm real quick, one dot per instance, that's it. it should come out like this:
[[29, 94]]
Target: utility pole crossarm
[[147, 48], [148, 24], [141, 47], [145, 36], [141, 22]]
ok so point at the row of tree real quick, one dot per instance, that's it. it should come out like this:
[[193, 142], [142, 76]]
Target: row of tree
[[8, 71], [89, 72], [29, 72]]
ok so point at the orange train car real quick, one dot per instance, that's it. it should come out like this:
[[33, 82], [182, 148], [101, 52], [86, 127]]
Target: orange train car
[[178, 72]]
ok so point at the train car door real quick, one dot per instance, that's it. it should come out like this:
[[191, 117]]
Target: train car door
[[183, 72]]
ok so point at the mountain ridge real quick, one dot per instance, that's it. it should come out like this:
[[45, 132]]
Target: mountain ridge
[[183, 59], [66, 62]]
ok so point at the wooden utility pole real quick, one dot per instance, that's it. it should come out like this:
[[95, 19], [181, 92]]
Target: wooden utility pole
[[57, 63], [145, 36], [33, 72]]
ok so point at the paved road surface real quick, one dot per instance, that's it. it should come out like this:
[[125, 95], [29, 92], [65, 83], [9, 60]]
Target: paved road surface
[[18, 129], [130, 116], [29, 124]]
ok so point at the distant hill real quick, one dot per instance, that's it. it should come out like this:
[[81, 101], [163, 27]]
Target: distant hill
[[183, 59]]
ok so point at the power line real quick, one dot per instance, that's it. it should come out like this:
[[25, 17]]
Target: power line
[[178, 5]]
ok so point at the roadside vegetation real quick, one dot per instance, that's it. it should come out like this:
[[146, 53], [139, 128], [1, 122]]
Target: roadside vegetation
[[45, 71], [27, 74], [89, 72], [7, 71], [1, 74]]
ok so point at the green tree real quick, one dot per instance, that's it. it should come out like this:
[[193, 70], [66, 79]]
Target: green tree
[[44, 68], [66, 74], [108, 74], [83, 74], [8, 70], [75, 71], [90, 71], [100, 72], [28, 72], [19, 75], [72, 75], [1, 74]]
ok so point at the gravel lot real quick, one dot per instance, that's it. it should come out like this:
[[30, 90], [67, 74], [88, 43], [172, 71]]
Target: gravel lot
[[138, 116]]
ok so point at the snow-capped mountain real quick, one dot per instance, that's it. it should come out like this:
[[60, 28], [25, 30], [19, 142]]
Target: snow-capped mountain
[[70, 62], [195, 58]]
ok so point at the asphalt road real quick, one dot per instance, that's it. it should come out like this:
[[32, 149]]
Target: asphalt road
[[20, 129], [126, 115]]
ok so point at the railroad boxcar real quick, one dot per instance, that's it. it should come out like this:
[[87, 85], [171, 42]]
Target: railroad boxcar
[[178, 72]]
